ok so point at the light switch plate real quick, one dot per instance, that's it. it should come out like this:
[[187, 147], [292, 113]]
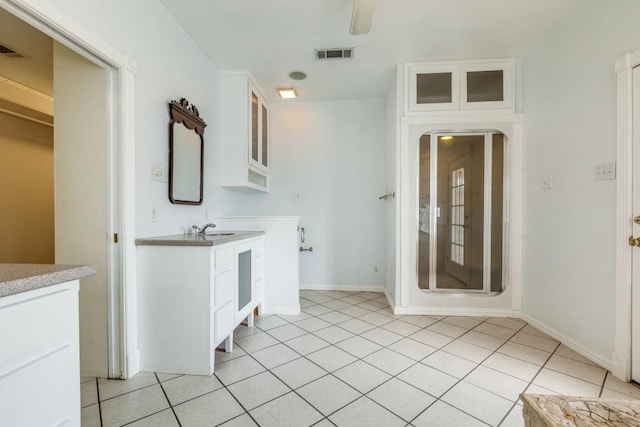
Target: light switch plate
[[547, 182]]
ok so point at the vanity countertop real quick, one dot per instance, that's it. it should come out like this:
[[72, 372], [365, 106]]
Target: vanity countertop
[[18, 278], [213, 239]]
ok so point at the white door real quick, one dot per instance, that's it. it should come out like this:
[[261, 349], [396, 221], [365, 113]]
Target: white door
[[458, 218], [81, 187], [635, 293]]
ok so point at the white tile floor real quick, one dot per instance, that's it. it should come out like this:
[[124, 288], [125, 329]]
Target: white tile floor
[[347, 360]]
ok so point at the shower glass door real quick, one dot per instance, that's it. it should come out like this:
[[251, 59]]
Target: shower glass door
[[461, 206]]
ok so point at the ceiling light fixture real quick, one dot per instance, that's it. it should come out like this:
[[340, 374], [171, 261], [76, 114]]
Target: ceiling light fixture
[[446, 138], [287, 92]]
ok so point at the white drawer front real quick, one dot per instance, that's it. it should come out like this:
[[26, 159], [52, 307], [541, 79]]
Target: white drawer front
[[259, 268], [224, 260], [223, 289], [259, 248], [223, 323]]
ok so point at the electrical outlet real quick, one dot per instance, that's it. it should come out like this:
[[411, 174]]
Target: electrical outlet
[[153, 214], [605, 171], [376, 269], [295, 197], [547, 182]]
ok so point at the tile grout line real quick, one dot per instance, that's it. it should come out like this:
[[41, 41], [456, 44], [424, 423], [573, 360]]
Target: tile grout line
[[168, 401], [292, 390], [420, 361], [99, 402], [331, 373], [604, 381], [477, 365], [395, 376]]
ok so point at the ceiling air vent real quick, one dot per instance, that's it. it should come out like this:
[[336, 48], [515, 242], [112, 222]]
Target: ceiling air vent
[[9, 52], [337, 53]]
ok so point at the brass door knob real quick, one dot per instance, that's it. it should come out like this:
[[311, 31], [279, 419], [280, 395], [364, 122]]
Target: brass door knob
[[637, 219], [634, 242]]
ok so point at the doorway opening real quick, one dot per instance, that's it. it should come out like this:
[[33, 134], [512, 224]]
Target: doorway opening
[[114, 114], [461, 212]]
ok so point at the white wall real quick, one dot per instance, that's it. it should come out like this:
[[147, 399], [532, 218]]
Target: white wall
[[26, 191], [170, 66], [570, 126], [332, 155]]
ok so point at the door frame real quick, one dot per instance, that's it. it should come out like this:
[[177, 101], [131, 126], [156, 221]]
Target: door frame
[[124, 360], [621, 357], [409, 298]]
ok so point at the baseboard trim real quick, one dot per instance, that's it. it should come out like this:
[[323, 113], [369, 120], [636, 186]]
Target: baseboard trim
[[354, 288], [594, 356], [455, 311], [285, 310]]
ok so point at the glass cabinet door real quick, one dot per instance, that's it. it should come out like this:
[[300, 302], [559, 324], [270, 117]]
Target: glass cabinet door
[[433, 87], [244, 279], [255, 108], [462, 85], [265, 137], [486, 85], [259, 137]]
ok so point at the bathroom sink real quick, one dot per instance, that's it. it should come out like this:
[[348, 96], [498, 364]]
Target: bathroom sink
[[219, 234]]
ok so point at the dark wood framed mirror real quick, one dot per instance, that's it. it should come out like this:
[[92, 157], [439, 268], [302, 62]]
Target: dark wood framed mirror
[[186, 153]]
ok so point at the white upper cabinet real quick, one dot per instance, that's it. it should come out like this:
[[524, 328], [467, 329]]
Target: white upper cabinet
[[245, 132], [460, 86]]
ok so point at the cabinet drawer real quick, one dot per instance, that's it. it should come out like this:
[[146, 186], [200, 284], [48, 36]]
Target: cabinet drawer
[[259, 268], [223, 260], [223, 323], [223, 289], [259, 246]]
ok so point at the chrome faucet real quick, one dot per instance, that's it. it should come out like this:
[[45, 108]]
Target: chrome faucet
[[202, 231]]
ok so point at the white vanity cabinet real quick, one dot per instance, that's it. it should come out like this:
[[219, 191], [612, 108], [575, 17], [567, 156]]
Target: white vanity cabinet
[[245, 132], [192, 296], [39, 344]]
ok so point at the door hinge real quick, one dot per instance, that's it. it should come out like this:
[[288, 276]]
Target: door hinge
[[115, 237]]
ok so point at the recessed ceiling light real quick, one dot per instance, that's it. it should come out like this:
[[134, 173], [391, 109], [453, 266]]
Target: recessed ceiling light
[[287, 92], [446, 138], [298, 75]]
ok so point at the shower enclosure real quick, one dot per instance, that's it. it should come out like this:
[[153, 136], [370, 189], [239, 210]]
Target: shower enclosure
[[461, 212]]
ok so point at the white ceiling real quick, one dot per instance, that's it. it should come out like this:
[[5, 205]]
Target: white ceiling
[[274, 37]]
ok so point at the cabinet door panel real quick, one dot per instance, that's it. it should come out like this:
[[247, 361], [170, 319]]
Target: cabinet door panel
[[486, 85], [433, 87], [223, 289], [255, 108], [265, 137], [224, 260], [223, 321]]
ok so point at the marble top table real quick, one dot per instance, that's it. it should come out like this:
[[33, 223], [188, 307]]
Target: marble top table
[[18, 278], [553, 411]]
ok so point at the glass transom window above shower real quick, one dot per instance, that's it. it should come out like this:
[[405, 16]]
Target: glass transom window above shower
[[461, 211]]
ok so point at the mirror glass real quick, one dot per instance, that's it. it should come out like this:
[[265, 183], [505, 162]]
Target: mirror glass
[[186, 164], [186, 142]]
